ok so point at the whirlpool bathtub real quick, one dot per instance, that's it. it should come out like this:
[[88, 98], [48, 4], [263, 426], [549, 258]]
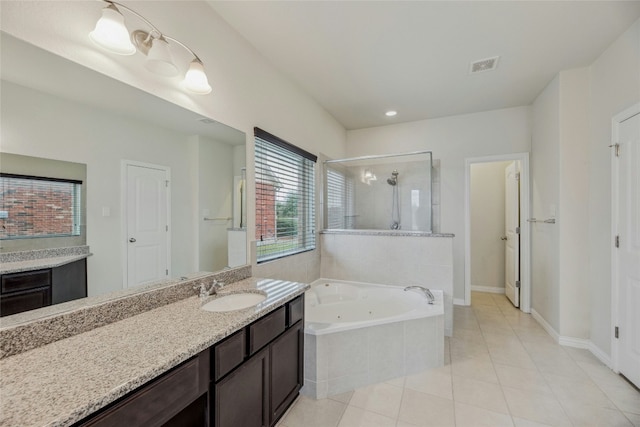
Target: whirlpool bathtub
[[362, 333]]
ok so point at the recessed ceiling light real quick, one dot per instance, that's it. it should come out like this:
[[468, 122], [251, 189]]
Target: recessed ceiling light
[[390, 113]]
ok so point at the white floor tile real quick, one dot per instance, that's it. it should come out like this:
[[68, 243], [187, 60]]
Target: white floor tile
[[634, 418], [626, 398], [471, 416], [356, 417], [590, 415], [433, 381], [342, 397], [520, 378], [479, 368], [382, 398], [538, 407], [479, 393], [423, 409], [308, 412]]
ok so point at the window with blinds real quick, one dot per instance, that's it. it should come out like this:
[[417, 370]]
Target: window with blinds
[[33, 207], [285, 198], [340, 200]]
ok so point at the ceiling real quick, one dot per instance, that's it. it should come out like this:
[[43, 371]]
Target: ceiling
[[359, 59]]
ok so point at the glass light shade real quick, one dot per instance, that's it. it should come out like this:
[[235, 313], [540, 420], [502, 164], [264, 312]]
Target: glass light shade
[[111, 34], [159, 60], [196, 80]]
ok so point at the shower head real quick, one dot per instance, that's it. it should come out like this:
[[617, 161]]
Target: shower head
[[394, 178]]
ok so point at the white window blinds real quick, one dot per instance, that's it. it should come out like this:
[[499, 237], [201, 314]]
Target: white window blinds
[[285, 198], [340, 200]]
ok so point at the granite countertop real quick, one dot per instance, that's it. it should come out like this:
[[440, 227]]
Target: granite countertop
[[41, 263], [67, 380]]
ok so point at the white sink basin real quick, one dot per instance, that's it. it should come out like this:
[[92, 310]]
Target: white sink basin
[[234, 302]]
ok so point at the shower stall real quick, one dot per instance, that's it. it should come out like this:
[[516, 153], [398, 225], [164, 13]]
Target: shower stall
[[385, 192]]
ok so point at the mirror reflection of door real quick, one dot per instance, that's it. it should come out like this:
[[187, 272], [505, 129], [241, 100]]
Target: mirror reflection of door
[[626, 264], [147, 223], [512, 232]]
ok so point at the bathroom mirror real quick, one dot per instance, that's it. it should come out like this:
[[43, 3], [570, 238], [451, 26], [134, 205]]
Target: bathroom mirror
[[56, 109]]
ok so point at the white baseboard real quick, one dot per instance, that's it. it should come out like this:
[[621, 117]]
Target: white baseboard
[[458, 301], [546, 326], [572, 341], [601, 355], [489, 289]]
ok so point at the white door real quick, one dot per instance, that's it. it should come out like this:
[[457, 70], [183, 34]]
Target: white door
[[628, 252], [512, 231], [147, 230]]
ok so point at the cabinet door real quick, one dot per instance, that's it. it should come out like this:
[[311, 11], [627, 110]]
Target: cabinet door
[[286, 354], [242, 398], [69, 281]]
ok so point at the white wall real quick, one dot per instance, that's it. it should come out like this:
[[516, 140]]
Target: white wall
[[247, 90], [487, 210], [452, 139], [560, 190], [573, 218], [614, 86], [545, 172]]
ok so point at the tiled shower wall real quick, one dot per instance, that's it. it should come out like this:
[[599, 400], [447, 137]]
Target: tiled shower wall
[[399, 260]]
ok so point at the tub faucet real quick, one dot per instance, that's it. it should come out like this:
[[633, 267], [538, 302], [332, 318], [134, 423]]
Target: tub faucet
[[205, 290], [427, 293]]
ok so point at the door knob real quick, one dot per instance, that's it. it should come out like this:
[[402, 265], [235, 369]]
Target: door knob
[[132, 240], [503, 238]]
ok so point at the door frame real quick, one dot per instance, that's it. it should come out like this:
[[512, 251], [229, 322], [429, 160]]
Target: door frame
[[615, 200], [124, 164], [525, 229]]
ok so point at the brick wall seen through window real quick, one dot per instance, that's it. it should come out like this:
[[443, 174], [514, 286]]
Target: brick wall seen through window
[[38, 207]]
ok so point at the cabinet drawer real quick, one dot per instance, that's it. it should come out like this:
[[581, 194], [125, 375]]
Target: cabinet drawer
[[18, 302], [228, 354], [25, 281], [266, 329], [159, 401], [295, 310]]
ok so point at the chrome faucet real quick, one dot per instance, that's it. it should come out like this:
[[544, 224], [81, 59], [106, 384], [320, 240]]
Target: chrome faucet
[[205, 290], [427, 293]]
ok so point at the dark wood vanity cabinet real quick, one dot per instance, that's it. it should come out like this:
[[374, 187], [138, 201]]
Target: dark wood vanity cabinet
[[259, 390], [249, 379], [176, 398], [29, 290]]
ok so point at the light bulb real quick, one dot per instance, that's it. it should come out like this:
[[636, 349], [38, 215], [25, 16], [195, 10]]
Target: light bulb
[[196, 80], [111, 34]]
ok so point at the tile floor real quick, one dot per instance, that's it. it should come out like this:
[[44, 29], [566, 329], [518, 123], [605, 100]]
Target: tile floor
[[501, 369]]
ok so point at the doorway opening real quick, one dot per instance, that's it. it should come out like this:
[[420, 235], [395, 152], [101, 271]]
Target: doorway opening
[[497, 233]]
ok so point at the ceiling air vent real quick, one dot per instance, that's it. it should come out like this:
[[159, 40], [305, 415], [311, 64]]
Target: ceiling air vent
[[206, 121], [482, 65]]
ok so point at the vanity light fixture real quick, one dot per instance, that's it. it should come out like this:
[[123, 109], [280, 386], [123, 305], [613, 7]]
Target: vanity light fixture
[[112, 35]]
